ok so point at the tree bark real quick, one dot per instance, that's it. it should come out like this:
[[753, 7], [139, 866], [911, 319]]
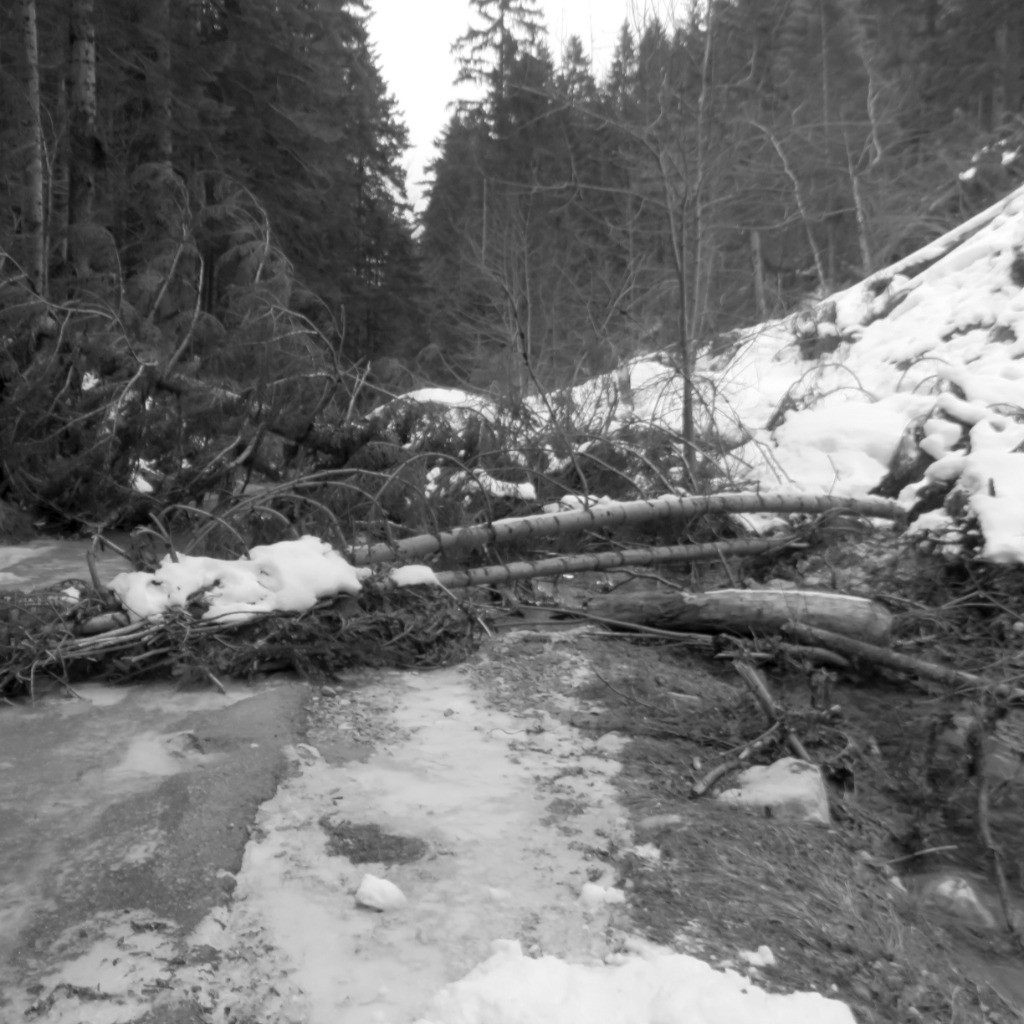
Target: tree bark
[[85, 148], [33, 211]]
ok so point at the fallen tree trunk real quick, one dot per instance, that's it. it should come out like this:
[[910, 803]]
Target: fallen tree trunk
[[748, 611], [834, 640], [341, 441], [611, 515], [657, 555]]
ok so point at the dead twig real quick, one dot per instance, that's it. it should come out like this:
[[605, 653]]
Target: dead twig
[[702, 785], [755, 682], [976, 746], [890, 659]]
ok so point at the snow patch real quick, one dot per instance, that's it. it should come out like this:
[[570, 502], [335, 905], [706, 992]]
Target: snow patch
[[648, 985], [290, 576]]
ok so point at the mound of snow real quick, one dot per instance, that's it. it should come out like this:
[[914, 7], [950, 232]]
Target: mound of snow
[[649, 986], [291, 576]]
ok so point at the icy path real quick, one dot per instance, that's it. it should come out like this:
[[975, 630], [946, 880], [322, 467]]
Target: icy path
[[509, 808], [497, 822]]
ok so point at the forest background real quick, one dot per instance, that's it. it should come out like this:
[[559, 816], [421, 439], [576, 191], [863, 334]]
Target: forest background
[[208, 264]]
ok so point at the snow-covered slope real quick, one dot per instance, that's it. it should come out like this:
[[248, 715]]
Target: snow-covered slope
[[924, 359]]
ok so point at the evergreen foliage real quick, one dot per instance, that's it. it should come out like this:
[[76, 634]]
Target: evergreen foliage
[[222, 198], [724, 169]]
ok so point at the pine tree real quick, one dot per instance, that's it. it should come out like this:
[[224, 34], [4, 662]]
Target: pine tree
[[488, 51]]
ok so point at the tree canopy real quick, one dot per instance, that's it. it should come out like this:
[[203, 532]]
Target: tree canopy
[[724, 168]]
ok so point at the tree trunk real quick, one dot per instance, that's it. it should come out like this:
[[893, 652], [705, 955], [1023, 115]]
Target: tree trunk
[[158, 14], [1006, 92], [863, 243], [609, 560], [702, 202], [748, 611], [33, 210], [758, 268], [86, 153], [611, 515], [676, 207]]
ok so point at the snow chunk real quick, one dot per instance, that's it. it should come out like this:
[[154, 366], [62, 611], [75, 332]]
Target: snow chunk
[[646, 851], [413, 576], [994, 477], [761, 957], [652, 987], [576, 502], [939, 437], [291, 575], [594, 896], [480, 480], [379, 894], [452, 397]]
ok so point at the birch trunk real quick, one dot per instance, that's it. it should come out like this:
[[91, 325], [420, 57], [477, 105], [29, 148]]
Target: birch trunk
[[611, 515]]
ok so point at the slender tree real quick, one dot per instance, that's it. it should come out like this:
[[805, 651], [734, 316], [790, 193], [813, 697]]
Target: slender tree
[[86, 151], [33, 208]]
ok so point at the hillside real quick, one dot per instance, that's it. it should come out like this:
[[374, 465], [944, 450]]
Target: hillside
[[908, 384]]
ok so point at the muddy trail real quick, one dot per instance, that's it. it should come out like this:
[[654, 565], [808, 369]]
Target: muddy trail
[[287, 853]]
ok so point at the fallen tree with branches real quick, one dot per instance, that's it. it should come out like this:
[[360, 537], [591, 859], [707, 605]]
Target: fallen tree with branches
[[92, 637]]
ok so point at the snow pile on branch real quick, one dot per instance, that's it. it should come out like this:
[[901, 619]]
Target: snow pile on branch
[[290, 576], [649, 986]]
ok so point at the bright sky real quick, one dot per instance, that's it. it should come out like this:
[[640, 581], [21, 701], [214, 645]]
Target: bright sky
[[413, 40]]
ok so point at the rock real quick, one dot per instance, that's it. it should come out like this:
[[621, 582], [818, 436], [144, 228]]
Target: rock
[[611, 743], [789, 788], [955, 895], [594, 896], [303, 753], [1003, 749], [379, 894], [646, 851]]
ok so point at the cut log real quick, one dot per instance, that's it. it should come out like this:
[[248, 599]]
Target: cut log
[[613, 514], [748, 611]]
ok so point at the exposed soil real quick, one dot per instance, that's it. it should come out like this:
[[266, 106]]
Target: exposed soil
[[824, 899]]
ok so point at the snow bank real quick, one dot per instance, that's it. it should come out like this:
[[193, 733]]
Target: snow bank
[[291, 576], [648, 986], [939, 354]]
